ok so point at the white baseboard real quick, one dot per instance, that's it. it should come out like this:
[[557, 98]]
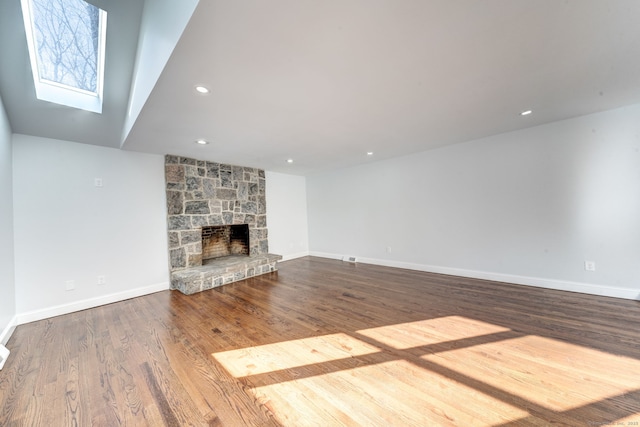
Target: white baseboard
[[294, 256], [32, 316], [326, 255], [560, 285], [8, 330]]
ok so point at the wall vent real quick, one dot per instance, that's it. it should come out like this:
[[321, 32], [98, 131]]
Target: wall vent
[[4, 355], [349, 258]]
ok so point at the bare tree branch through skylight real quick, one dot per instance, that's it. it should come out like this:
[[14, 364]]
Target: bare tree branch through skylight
[[67, 39]]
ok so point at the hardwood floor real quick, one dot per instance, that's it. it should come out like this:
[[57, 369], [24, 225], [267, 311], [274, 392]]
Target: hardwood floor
[[327, 343]]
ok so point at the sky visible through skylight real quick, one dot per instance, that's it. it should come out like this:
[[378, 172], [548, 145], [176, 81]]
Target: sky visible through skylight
[[67, 41]]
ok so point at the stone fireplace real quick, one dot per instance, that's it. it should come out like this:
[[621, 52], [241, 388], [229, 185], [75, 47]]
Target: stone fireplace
[[217, 224]]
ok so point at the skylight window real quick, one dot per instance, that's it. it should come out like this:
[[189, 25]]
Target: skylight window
[[66, 41]]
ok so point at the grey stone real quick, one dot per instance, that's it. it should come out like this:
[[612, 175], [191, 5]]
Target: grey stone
[[227, 217], [194, 248], [255, 249], [215, 207], [199, 221], [179, 222], [187, 161], [201, 171], [187, 237], [193, 183], [207, 284], [197, 207], [191, 171], [258, 233], [260, 173], [243, 190], [178, 258], [238, 218], [209, 187], [191, 287], [168, 159], [250, 219], [262, 207], [226, 179], [237, 173], [261, 221], [174, 239], [215, 219], [213, 170], [249, 207], [254, 189], [175, 202], [201, 163], [226, 194]]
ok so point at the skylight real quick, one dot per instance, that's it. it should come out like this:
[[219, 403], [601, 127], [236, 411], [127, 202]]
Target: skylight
[[66, 41]]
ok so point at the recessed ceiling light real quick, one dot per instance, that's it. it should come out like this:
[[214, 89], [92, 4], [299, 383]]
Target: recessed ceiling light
[[369, 153], [526, 113], [289, 160], [202, 141], [202, 89]]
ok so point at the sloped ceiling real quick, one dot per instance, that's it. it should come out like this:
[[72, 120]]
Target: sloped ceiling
[[324, 82], [30, 116]]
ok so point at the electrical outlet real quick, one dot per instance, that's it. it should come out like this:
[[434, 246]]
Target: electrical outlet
[[97, 182], [102, 280], [590, 265], [69, 285]]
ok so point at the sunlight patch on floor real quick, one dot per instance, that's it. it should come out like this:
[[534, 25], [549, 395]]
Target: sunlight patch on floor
[[292, 354], [431, 331], [354, 379], [535, 369], [393, 393]]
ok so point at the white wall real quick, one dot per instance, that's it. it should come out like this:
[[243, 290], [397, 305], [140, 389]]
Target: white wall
[[287, 215], [162, 24], [66, 228], [7, 283], [526, 207]]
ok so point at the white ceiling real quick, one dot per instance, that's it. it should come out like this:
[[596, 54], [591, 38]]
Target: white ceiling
[[323, 82]]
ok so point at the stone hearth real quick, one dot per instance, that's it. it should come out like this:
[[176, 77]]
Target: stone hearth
[[202, 194]]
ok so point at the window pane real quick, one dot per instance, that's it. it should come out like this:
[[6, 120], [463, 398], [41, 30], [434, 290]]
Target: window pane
[[67, 42]]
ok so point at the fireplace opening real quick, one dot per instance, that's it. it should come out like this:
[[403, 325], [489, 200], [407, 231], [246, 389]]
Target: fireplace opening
[[225, 240]]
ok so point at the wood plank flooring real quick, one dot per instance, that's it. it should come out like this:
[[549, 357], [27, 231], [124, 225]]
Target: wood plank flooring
[[327, 343]]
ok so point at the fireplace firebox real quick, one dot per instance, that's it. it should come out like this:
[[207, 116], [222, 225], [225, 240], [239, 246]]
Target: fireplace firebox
[[224, 240]]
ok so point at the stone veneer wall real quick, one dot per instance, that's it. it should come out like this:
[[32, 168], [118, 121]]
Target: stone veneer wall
[[201, 193]]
